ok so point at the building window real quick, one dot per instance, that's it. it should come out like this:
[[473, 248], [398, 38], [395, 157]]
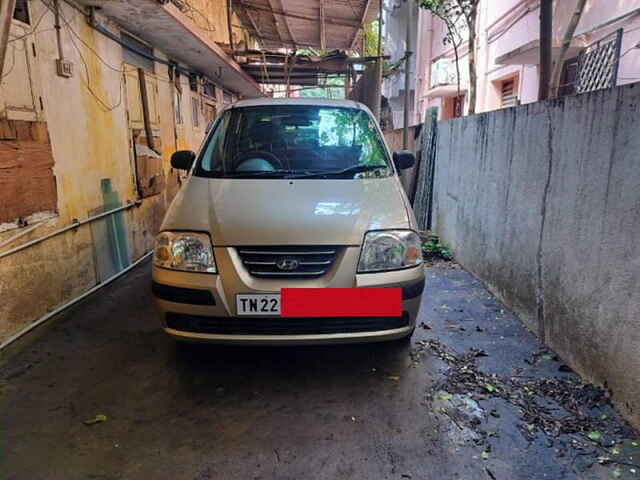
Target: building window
[[453, 107], [209, 89], [458, 106], [193, 83], [195, 109], [509, 93], [21, 12], [569, 77], [178, 106], [210, 112], [598, 64], [130, 56]]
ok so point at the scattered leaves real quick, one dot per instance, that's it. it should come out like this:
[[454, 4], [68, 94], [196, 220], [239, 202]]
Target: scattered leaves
[[594, 436], [97, 419], [445, 397], [531, 396]]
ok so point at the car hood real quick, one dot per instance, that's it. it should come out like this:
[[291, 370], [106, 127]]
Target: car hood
[[288, 211]]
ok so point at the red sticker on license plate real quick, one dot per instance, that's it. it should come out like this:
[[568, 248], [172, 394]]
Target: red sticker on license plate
[[341, 302]]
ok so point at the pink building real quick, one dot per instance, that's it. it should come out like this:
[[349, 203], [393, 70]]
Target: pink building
[[605, 51]]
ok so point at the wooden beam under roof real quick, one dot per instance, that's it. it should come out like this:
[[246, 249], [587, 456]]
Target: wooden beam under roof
[[330, 20], [286, 21], [323, 43], [361, 25]]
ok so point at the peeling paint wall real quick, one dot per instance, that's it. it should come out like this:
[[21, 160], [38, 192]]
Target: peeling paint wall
[[542, 202], [211, 16], [94, 167]]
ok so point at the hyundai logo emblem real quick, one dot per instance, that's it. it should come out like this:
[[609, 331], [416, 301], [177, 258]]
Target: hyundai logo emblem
[[287, 264]]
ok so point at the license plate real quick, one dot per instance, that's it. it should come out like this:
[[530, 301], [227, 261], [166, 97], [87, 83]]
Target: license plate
[[258, 304]]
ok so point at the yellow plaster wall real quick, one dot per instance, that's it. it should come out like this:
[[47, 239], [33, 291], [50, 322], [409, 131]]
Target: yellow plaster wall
[[211, 16], [87, 122]]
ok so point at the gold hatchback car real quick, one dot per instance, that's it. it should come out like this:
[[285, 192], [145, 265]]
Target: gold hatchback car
[[292, 227]]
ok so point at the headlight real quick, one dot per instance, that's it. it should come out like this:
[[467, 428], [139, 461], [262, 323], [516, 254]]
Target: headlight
[[186, 251], [390, 250]]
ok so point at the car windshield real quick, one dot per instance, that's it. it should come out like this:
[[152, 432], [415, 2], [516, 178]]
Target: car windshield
[[294, 141]]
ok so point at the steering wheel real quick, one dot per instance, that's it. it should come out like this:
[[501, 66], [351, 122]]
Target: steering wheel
[[268, 156]]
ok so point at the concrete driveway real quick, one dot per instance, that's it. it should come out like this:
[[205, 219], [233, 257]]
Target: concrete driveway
[[345, 412]]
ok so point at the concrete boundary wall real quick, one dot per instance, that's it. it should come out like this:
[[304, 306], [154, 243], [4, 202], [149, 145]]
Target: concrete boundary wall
[[542, 203]]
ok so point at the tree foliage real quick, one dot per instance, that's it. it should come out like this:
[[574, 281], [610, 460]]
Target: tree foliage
[[371, 39], [459, 17], [333, 87]]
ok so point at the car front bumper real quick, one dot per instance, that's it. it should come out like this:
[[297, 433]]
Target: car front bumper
[[200, 307]]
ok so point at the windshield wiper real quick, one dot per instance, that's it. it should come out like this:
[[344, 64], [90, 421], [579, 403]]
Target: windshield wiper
[[257, 173], [338, 173]]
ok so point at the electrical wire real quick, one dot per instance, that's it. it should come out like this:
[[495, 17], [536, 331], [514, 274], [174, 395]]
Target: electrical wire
[[191, 8], [13, 62], [107, 108], [33, 30], [90, 48], [104, 104], [99, 57]]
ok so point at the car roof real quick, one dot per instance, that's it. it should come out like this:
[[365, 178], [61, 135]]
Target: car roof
[[319, 102]]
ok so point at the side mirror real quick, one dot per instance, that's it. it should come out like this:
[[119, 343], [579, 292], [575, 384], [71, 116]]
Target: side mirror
[[183, 159], [404, 159]]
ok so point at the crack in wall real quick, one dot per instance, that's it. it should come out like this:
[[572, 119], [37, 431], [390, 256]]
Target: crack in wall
[[542, 327]]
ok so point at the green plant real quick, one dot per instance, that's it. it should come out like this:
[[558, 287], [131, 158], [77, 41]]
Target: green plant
[[432, 247]]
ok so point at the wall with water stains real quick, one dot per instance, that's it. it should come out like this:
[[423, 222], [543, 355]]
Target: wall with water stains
[[94, 168], [542, 202], [212, 18]]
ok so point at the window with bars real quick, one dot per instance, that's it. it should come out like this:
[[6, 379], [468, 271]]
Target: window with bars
[[209, 89], [193, 83], [177, 105], [509, 93], [195, 111], [595, 68], [598, 64], [569, 76]]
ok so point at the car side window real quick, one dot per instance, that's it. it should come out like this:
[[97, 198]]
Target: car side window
[[214, 147]]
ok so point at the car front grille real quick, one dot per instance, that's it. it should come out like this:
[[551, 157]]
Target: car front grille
[[282, 325], [288, 261]]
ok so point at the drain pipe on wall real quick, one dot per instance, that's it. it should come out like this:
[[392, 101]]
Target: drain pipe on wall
[[56, 5]]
